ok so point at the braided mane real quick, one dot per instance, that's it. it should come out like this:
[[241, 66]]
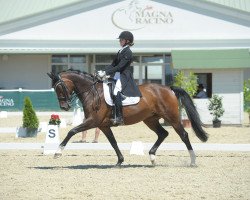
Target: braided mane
[[82, 73]]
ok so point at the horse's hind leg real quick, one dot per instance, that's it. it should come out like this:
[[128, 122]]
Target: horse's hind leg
[[155, 126], [110, 136], [184, 137]]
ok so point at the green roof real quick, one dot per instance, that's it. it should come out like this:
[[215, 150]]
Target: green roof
[[243, 5], [198, 59], [16, 9]]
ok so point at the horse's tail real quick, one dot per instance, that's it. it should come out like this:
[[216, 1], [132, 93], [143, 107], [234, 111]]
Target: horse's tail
[[191, 111]]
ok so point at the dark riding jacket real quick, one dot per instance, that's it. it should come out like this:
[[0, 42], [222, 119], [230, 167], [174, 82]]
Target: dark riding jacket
[[122, 64]]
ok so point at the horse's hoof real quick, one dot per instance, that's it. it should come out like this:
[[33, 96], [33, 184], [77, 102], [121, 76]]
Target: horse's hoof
[[153, 163], [193, 165], [118, 165], [152, 159], [57, 155]]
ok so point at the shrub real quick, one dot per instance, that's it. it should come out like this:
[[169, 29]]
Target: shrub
[[188, 83], [246, 91], [30, 119]]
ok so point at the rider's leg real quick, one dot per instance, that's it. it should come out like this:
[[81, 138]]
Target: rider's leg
[[117, 99], [117, 110]]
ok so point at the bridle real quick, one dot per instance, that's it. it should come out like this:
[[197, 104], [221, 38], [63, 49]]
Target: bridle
[[70, 98], [65, 90]]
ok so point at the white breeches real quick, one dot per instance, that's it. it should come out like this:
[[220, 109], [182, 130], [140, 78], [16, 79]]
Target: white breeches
[[118, 85]]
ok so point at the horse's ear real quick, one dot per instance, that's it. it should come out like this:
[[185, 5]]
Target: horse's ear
[[50, 75], [53, 76]]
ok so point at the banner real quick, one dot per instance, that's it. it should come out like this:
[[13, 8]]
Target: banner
[[12, 100]]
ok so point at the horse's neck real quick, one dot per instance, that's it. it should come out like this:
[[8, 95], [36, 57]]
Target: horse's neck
[[90, 94], [82, 83]]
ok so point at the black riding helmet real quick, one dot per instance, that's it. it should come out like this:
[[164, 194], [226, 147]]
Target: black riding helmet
[[127, 36]]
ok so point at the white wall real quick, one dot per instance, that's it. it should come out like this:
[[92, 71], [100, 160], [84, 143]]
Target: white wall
[[228, 84], [24, 71], [247, 73]]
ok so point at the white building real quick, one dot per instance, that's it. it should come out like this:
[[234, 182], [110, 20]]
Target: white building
[[203, 36]]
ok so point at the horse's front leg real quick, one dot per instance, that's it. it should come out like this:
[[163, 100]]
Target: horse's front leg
[[110, 136], [72, 132]]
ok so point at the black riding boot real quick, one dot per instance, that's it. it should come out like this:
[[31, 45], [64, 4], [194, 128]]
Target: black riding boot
[[117, 110]]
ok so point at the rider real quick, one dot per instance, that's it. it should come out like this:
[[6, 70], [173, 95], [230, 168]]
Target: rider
[[120, 71]]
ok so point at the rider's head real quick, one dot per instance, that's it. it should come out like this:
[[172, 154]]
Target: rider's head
[[128, 37]]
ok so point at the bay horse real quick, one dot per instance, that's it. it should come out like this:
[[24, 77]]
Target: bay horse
[[157, 102]]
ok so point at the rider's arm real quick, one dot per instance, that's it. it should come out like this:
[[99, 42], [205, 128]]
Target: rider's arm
[[126, 58]]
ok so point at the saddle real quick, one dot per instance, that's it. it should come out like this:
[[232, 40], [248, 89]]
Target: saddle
[[108, 88]]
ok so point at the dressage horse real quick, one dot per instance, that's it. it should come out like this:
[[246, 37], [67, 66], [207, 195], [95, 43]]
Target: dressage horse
[[157, 102]]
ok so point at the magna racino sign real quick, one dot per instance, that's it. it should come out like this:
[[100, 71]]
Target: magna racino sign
[[137, 15], [6, 102]]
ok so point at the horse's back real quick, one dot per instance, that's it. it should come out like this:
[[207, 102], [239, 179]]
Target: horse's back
[[157, 96], [157, 90], [160, 100]]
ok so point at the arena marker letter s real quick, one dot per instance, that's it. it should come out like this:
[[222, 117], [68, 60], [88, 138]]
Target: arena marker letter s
[[52, 140]]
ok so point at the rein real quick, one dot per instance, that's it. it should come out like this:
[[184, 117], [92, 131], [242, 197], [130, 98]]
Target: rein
[[97, 101]]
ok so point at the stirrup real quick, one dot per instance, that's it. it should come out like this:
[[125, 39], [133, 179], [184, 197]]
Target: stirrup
[[117, 121]]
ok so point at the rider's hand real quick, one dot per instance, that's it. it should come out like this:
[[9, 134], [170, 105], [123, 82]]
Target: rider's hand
[[101, 73]]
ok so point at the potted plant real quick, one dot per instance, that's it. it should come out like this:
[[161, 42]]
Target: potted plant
[[216, 109], [30, 120], [54, 120], [189, 84]]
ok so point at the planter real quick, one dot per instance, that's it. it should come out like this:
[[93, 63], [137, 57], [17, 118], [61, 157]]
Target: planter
[[217, 124], [26, 132], [31, 132]]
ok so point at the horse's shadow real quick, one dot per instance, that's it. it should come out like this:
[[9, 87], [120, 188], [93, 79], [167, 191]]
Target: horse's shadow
[[85, 167]]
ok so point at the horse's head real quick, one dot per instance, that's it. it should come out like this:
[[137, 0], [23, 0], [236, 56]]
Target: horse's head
[[64, 89]]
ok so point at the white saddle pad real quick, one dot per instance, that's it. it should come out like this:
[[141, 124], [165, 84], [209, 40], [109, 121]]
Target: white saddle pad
[[125, 102]]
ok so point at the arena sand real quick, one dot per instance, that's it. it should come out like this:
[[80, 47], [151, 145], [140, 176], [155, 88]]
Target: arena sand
[[92, 175]]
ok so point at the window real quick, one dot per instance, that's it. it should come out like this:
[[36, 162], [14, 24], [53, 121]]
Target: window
[[104, 58], [152, 68], [59, 59], [61, 63], [101, 61], [206, 80]]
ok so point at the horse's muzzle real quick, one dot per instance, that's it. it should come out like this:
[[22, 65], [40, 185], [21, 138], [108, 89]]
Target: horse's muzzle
[[64, 106]]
